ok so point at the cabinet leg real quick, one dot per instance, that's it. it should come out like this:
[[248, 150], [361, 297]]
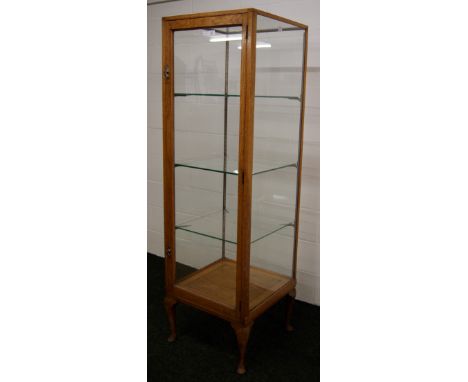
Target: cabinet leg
[[242, 334], [170, 310], [289, 310]]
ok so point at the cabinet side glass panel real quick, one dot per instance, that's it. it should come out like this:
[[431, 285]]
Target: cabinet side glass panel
[[206, 123], [279, 71]]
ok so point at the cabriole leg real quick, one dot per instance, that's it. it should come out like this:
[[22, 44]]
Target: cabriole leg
[[289, 310], [170, 310], [242, 334]]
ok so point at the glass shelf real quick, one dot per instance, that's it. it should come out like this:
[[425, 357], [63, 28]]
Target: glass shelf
[[233, 95], [216, 165], [210, 226]]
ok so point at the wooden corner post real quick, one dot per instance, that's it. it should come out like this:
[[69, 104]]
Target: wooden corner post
[[299, 156], [247, 98]]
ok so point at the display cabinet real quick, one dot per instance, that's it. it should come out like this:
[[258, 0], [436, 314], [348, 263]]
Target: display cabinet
[[233, 112]]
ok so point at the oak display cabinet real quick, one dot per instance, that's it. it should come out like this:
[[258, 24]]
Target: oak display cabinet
[[233, 113]]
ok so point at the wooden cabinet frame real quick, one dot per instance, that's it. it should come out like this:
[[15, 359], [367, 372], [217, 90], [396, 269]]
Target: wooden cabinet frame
[[242, 316]]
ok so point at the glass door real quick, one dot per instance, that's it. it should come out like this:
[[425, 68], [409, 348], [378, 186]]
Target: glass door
[[207, 69]]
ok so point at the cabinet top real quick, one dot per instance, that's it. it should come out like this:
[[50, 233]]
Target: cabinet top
[[232, 12]]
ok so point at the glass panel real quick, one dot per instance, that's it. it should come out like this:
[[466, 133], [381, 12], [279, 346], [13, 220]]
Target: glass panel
[[199, 204], [270, 252], [197, 214], [279, 61], [206, 133]]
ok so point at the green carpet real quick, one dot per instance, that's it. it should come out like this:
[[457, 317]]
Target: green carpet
[[206, 349]]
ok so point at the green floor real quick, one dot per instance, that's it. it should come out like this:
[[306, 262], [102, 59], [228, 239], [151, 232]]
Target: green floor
[[206, 349]]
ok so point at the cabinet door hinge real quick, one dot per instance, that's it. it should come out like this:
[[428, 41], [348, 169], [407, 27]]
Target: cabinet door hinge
[[168, 252]]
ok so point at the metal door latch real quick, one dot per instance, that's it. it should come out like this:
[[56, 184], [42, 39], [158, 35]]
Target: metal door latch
[[166, 72]]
